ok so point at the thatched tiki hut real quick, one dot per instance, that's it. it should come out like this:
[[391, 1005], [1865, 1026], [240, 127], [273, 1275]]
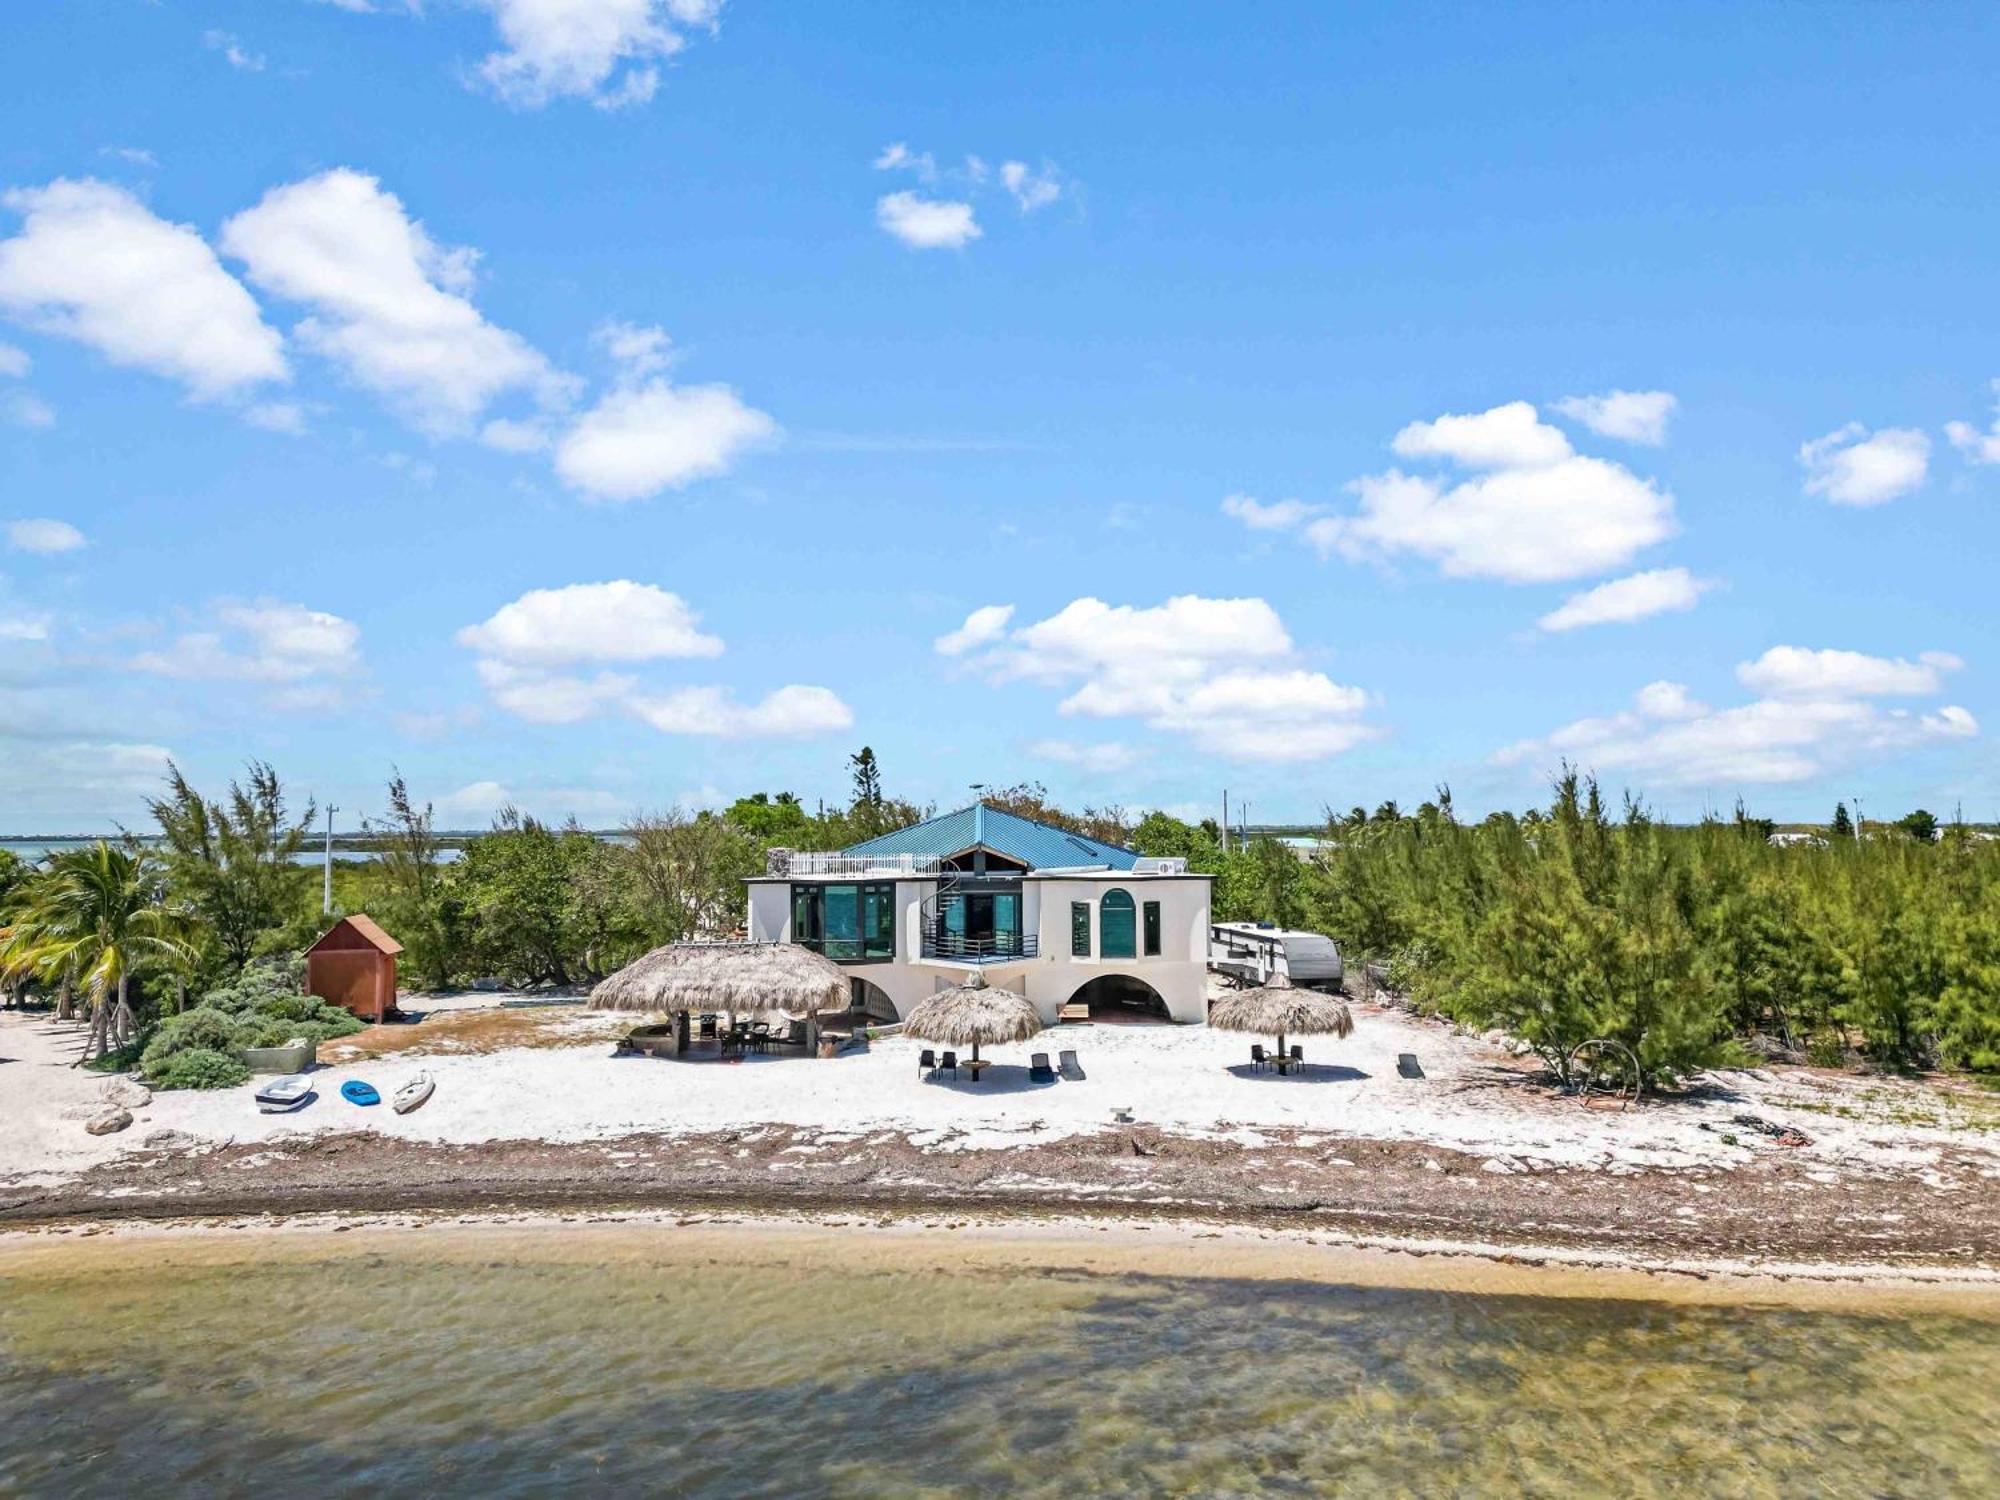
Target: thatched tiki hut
[[1280, 1008], [738, 979], [967, 1014]]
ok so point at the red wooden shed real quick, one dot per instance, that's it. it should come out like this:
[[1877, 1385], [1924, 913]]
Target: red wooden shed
[[354, 967]]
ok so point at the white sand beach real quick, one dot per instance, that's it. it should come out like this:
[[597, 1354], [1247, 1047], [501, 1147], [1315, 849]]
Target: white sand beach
[[569, 1087]]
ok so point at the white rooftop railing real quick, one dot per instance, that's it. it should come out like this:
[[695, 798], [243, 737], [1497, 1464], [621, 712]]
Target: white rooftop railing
[[803, 862]]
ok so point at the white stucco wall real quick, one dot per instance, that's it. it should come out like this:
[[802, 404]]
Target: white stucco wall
[[1179, 974]]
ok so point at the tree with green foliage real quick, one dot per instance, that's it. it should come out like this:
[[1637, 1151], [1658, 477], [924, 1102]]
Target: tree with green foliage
[[232, 859], [1919, 825], [777, 822], [1842, 826], [420, 904], [689, 873], [99, 917], [517, 886]]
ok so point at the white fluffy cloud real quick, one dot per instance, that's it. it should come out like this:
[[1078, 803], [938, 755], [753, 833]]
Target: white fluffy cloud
[[1852, 466], [545, 697], [1031, 189], [1512, 436], [388, 303], [233, 51], [268, 641], [898, 157], [1217, 672], [927, 223], [535, 654], [14, 362], [618, 621], [607, 51], [1797, 672], [982, 627], [641, 439], [94, 264], [44, 535], [1628, 416], [1532, 510], [791, 712], [1276, 515], [1624, 600], [1980, 447], [1815, 716]]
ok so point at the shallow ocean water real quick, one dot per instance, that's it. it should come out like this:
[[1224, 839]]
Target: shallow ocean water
[[670, 1367]]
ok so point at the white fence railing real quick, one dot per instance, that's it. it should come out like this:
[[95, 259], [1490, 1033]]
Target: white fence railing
[[802, 862]]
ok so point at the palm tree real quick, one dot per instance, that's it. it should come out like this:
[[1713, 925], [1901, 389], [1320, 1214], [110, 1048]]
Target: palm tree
[[94, 916]]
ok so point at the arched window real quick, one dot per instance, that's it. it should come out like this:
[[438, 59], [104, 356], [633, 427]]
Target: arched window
[[1116, 934]]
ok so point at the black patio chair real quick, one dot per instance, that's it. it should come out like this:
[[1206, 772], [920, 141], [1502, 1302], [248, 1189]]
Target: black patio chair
[[1039, 1070], [708, 1025], [949, 1062], [926, 1061], [1298, 1056], [1257, 1057], [1069, 1067]]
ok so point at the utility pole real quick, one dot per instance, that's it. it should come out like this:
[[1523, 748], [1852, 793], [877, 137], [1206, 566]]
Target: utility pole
[[326, 897], [1857, 820], [1225, 820]]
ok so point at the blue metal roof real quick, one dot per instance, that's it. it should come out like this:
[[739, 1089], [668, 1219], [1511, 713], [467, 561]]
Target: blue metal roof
[[1039, 846]]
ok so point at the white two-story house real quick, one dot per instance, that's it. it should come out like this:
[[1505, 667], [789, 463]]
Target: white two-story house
[[1062, 919]]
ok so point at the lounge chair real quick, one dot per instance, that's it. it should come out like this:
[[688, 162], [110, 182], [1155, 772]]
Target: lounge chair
[[950, 1061], [1069, 1067], [1039, 1070], [1257, 1057], [1408, 1066], [926, 1061]]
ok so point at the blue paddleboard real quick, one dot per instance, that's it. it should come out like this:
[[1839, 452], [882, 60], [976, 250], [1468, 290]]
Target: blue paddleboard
[[354, 1091]]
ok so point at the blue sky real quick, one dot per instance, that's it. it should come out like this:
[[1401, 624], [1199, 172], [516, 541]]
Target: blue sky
[[585, 402]]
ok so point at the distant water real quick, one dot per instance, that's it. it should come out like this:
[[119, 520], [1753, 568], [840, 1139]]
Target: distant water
[[436, 1368], [34, 849]]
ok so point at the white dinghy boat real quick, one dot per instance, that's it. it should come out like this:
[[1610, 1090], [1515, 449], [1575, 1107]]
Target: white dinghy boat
[[413, 1094], [283, 1095]]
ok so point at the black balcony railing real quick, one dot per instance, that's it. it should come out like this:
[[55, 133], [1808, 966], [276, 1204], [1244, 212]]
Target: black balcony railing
[[996, 948]]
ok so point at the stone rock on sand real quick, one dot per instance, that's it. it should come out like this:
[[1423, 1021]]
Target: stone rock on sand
[[110, 1122]]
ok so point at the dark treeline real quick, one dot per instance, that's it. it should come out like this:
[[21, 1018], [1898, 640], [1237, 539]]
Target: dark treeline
[[1689, 944]]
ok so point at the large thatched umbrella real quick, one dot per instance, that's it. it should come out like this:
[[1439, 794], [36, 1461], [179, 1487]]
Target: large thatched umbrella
[[1277, 1007], [967, 1014], [743, 979]]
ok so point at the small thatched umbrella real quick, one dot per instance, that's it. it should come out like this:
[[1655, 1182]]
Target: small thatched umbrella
[[967, 1014], [1278, 1007], [743, 979]]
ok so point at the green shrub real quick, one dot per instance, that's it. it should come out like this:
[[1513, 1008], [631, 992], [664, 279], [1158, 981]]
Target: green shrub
[[200, 1029], [200, 1068]]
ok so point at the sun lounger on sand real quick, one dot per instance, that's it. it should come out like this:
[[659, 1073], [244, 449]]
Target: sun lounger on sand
[[1039, 1070], [1408, 1066], [1069, 1067]]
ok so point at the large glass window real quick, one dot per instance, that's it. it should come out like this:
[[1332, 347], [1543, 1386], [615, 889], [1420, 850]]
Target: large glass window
[[1152, 915], [1079, 929], [1116, 936], [845, 921]]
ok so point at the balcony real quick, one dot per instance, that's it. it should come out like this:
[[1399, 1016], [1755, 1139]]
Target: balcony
[[995, 948]]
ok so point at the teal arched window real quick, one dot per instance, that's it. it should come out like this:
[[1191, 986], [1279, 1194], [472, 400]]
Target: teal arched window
[[1117, 936]]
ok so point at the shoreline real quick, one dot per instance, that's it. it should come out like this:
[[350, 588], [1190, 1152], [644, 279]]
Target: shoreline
[[1118, 1245], [1777, 1224]]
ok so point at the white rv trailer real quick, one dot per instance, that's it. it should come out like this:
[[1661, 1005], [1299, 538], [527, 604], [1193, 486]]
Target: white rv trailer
[[1251, 952]]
